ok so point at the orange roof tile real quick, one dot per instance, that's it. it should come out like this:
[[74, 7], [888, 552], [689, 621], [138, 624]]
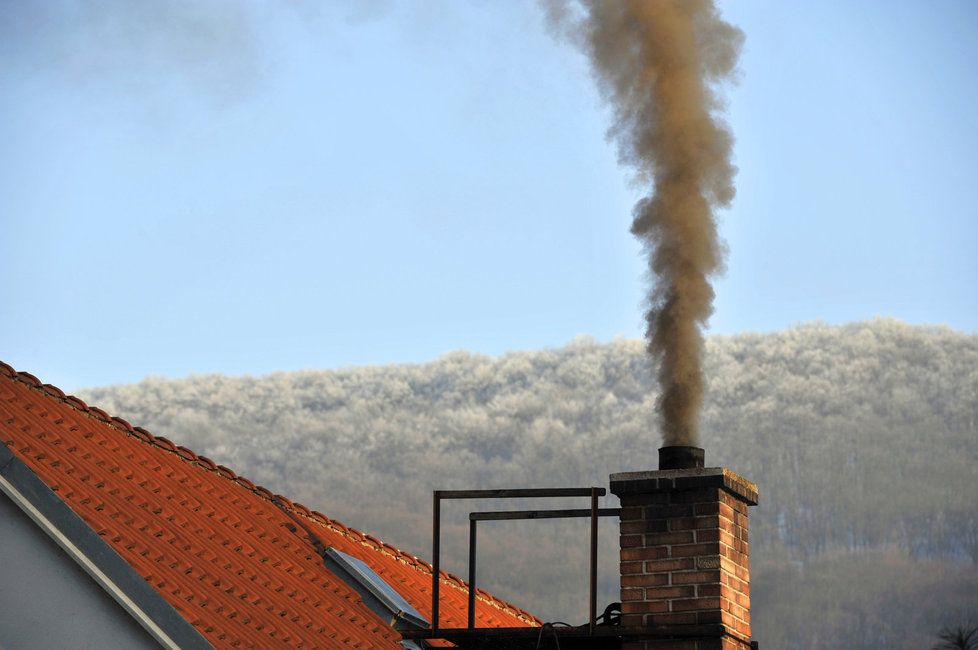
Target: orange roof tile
[[212, 543]]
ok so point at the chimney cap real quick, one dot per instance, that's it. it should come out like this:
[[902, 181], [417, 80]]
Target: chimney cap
[[681, 457]]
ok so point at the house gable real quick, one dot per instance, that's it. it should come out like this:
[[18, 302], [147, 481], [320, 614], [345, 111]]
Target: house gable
[[64, 586]]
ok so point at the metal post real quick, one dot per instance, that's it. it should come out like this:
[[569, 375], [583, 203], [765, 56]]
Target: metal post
[[593, 512], [594, 559], [472, 533], [435, 551]]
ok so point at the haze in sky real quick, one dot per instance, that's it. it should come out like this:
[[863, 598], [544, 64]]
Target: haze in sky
[[247, 187]]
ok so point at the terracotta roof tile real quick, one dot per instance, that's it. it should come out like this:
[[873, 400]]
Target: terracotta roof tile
[[212, 543]]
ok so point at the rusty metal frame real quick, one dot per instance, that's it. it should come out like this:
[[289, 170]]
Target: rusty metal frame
[[474, 517]]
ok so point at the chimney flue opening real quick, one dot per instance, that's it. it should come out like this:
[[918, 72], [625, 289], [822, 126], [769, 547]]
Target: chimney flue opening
[[681, 457]]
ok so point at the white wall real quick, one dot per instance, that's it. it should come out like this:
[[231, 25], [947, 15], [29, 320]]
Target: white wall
[[47, 600]]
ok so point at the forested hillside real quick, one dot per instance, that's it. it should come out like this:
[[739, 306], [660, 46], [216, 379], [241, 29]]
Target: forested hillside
[[863, 439]]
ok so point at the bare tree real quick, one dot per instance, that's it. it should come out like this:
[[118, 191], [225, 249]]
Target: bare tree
[[961, 637]]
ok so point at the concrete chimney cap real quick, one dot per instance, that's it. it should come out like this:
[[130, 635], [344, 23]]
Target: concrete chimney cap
[[662, 480]]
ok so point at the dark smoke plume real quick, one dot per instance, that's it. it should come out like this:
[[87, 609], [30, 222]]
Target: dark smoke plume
[[659, 63]]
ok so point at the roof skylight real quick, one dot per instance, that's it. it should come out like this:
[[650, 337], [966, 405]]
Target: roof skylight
[[375, 591]]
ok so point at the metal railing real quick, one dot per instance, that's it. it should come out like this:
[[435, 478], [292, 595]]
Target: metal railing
[[474, 517]]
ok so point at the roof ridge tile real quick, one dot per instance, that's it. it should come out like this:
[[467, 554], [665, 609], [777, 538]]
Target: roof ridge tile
[[77, 403], [165, 443], [143, 434], [183, 452], [53, 390], [100, 414], [29, 379]]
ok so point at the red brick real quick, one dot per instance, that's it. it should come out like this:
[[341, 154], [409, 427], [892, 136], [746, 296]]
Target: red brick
[[656, 566], [707, 521], [677, 618], [694, 604], [662, 539], [742, 627], [667, 593], [727, 538], [733, 609], [726, 525], [738, 586], [709, 616], [707, 509], [736, 556], [632, 541], [656, 498], [705, 495], [645, 580], [703, 591], [742, 599], [692, 550], [644, 526], [632, 594], [696, 577], [682, 523], [644, 606], [628, 554], [632, 513], [729, 566], [726, 511], [735, 644], [709, 562], [738, 504], [711, 535], [631, 567], [632, 620], [670, 511]]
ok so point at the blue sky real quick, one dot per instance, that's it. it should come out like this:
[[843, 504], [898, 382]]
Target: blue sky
[[191, 187]]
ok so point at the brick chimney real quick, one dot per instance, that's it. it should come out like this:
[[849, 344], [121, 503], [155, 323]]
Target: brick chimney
[[685, 571]]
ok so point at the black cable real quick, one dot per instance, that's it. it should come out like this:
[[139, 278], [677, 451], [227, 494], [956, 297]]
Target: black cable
[[552, 627], [540, 635]]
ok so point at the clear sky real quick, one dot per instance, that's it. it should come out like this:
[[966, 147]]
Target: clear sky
[[247, 187]]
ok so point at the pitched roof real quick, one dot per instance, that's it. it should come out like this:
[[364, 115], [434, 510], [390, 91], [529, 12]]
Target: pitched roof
[[222, 551]]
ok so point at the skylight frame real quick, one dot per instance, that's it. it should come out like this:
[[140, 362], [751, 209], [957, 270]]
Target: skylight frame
[[361, 577]]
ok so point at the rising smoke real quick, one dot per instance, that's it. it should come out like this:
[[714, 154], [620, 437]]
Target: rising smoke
[[659, 63]]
